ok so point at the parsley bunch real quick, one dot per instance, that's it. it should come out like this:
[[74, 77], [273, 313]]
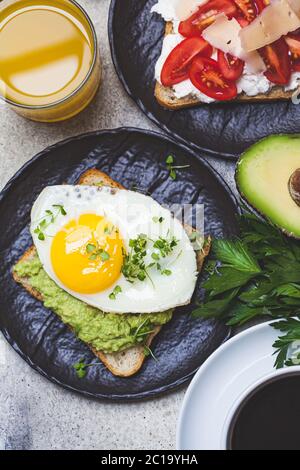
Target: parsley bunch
[[256, 275]]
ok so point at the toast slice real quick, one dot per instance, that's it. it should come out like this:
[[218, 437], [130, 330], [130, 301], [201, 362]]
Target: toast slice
[[128, 362], [166, 96]]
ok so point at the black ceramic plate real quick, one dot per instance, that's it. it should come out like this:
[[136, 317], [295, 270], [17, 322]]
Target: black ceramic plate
[[134, 158], [223, 129]]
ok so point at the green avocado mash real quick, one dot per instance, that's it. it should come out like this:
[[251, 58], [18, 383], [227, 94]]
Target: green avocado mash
[[107, 332]]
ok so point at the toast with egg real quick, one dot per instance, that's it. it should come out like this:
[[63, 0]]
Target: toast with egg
[[128, 362], [166, 97]]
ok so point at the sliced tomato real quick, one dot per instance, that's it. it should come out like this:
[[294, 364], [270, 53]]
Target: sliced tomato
[[293, 42], [277, 60], [176, 67], [261, 5], [205, 75], [246, 11], [206, 15], [231, 67]]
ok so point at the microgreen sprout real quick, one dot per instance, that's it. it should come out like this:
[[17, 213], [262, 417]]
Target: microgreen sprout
[[170, 160], [157, 219], [81, 367], [96, 252], [117, 290], [48, 219]]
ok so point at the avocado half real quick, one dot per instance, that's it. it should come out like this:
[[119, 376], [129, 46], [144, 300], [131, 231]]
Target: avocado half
[[268, 178]]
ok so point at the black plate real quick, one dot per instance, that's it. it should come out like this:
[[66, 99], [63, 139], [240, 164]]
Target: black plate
[[134, 158], [222, 129]]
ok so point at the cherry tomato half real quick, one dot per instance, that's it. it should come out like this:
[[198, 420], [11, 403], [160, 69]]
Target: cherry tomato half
[[277, 60], [176, 67], [205, 75], [205, 16], [246, 11], [293, 42], [231, 67], [261, 5]]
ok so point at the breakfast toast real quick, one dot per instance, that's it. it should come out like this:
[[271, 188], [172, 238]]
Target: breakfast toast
[[166, 97], [128, 362]]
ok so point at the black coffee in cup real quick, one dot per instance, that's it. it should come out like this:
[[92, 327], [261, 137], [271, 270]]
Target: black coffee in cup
[[269, 417]]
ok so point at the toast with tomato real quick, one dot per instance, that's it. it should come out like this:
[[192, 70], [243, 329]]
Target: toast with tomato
[[217, 73]]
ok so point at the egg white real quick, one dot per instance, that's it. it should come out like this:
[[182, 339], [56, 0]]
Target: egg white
[[133, 214]]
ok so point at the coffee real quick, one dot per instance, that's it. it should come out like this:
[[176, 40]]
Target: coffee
[[269, 417]]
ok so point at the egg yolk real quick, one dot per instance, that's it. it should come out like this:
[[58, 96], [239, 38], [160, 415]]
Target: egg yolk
[[87, 254]]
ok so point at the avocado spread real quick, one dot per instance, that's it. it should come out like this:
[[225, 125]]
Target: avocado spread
[[107, 332]]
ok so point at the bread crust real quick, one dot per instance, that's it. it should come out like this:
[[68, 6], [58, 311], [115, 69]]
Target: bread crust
[[125, 363], [166, 97]]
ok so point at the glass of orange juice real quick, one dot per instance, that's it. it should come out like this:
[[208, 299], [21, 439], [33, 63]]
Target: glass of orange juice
[[49, 60]]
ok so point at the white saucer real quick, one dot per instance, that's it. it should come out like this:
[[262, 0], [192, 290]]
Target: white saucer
[[221, 380]]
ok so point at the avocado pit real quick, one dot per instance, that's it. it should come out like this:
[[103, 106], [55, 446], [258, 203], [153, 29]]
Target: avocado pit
[[294, 186]]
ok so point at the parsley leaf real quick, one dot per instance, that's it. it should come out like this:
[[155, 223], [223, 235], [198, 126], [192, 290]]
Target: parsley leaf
[[291, 328], [226, 278], [235, 254], [215, 308]]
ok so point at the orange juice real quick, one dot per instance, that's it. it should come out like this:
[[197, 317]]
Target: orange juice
[[49, 63]]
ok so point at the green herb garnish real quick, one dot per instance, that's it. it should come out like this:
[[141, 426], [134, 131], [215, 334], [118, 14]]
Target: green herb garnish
[[166, 272], [197, 239], [117, 290], [134, 267], [134, 264], [48, 219], [60, 208], [90, 248], [81, 367], [96, 252], [149, 352], [165, 246], [109, 230], [254, 276], [170, 160], [157, 219]]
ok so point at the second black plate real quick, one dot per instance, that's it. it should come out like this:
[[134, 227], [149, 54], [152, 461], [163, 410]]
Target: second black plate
[[134, 158], [226, 129]]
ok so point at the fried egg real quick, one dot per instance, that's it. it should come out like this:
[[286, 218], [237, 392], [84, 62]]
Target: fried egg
[[116, 250]]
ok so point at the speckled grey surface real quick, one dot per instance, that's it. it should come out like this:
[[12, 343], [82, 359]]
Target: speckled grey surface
[[35, 414]]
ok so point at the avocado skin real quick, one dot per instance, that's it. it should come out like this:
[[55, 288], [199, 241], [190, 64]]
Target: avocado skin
[[270, 140]]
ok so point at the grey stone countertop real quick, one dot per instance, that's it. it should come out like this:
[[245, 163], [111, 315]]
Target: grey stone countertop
[[34, 413]]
